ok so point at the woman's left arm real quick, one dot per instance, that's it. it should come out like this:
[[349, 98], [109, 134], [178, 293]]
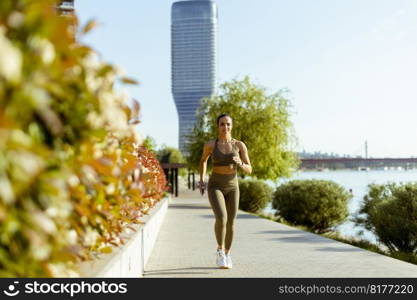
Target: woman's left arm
[[244, 156]]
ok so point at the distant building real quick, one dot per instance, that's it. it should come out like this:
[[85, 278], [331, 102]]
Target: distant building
[[193, 58]]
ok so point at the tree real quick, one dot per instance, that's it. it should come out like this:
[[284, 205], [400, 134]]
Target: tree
[[260, 120], [149, 143], [168, 154]]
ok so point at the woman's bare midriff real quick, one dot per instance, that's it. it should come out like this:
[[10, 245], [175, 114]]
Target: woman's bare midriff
[[226, 170]]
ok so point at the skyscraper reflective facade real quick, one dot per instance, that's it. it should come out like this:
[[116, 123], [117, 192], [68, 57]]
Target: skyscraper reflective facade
[[193, 55]]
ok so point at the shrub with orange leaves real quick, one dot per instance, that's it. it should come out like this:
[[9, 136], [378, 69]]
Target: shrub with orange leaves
[[71, 175]]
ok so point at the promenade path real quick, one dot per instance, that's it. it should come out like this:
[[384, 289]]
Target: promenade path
[[186, 247]]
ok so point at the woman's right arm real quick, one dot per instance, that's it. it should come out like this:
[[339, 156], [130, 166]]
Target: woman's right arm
[[203, 163]]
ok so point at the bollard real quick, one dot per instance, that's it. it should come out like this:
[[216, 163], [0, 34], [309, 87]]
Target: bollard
[[189, 179]]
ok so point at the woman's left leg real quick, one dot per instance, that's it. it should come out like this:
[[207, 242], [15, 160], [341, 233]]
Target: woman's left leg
[[232, 205]]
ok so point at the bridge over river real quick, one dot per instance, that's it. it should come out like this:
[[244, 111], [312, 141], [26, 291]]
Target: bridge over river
[[354, 163]]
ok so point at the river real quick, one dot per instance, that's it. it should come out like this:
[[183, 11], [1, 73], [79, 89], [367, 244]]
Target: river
[[357, 181]]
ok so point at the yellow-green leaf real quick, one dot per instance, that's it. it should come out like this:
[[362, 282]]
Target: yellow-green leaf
[[89, 26], [106, 250], [128, 80]]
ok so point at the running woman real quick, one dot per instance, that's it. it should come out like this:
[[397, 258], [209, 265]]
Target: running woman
[[228, 154]]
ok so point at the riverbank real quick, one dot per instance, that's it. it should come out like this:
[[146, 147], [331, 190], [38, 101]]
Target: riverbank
[[357, 182]]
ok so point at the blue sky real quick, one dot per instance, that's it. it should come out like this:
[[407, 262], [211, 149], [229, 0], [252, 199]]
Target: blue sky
[[350, 65]]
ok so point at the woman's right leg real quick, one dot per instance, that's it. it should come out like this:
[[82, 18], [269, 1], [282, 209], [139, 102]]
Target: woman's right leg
[[218, 205]]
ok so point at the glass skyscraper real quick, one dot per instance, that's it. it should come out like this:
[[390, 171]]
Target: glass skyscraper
[[193, 55]]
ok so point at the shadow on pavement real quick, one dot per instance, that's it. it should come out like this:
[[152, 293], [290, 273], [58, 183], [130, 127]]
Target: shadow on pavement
[[184, 206], [239, 216], [336, 249], [207, 216], [175, 271], [280, 232], [303, 239]]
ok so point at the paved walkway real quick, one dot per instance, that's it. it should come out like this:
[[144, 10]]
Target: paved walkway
[[186, 246]]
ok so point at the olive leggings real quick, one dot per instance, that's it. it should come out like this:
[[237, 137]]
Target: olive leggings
[[223, 194]]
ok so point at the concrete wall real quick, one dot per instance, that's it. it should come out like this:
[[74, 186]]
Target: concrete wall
[[129, 260]]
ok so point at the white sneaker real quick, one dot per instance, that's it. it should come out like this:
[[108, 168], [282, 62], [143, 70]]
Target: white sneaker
[[229, 261], [221, 259]]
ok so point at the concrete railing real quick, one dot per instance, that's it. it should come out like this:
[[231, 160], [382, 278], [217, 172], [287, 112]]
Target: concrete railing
[[129, 260]]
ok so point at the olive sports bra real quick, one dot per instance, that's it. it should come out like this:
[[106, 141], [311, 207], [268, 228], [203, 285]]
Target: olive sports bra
[[224, 159]]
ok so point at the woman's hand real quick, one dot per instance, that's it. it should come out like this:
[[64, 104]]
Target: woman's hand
[[202, 187], [237, 160]]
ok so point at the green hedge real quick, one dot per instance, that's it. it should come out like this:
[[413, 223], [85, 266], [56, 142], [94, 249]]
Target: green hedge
[[254, 195], [72, 176], [390, 212], [316, 204]]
